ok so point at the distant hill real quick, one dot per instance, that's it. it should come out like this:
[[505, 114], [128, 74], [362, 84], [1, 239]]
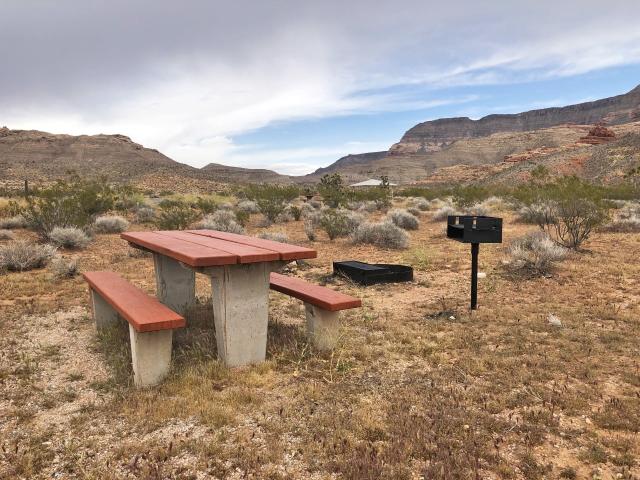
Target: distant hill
[[228, 174]]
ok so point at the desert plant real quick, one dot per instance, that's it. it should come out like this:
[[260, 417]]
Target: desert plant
[[206, 205], [623, 225], [17, 221], [275, 236], [242, 217], [69, 237], [572, 220], [72, 203], [535, 253], [6, 234], [248, 206], [145, 214], [296, 212], [61, 267], [110, 224], [368, 206], [335, 223], [23, 255], [226, 206], [403, 219], [478, 209], [353, 220], [444, 212], [534, 214], [223, 221], [420, 203], [383, 235], [332, 190], [414, 211], [271, 199], [175, 215]]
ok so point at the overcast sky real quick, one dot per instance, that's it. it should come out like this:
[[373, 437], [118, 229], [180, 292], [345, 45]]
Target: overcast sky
[[294, 85]]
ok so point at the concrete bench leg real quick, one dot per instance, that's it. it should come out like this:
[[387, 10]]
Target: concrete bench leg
[[175, 284], [322, 327], [103, 313], [241, 311], [150, 355]]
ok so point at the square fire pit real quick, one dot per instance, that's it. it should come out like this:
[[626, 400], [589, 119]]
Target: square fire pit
[[371, 274]]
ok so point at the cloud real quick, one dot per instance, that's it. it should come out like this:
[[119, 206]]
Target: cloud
[[190, 77]]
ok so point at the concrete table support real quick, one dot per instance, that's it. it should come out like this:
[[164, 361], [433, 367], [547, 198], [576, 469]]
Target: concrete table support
[[175, 283], [150, 356], [241, 310], [103, 313], [322, 327]]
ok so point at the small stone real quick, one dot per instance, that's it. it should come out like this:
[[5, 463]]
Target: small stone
[[452, 317], [482, 275], [554, 320]]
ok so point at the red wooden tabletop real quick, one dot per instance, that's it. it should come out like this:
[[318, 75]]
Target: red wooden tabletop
[[208, 248]]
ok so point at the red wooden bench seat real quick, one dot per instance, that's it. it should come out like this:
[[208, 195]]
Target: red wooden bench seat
[[151, 323], [322, 307], [322, 297]]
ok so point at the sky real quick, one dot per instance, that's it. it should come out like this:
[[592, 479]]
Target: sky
[[294, 85]]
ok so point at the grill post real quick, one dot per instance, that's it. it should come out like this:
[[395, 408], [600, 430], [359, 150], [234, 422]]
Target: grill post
[[475, 250]]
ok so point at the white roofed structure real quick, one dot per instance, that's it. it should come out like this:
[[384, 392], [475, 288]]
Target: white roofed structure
[[370, 183]]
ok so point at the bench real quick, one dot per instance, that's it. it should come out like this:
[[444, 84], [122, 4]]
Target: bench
[[322, 306], [151, 323]]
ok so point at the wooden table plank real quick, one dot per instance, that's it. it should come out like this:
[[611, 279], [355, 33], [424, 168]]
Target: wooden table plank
[[186, 252], [285, 250], [245, 253]]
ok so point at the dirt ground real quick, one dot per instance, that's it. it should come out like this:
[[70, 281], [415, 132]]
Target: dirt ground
[[418, 387]]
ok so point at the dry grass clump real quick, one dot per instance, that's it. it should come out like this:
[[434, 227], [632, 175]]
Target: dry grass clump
[[248, 206], [69, 237], [443, 212], [145, 214], [493, 204], [223, 221], [275, 236], [21, 255], [535, 253], [111, 224], [533, 214], [403, 219], [61, 267], [478, 209], [627, 219], [6, 235], [414, 211], [383, 235], [11, 223], [420, 203]]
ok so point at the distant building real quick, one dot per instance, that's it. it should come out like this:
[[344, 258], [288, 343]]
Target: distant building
[[370, 183]]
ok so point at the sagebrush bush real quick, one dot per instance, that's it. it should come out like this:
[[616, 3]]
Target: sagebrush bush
[[248, 206], [11, 223], [534, 214], [145, 214], [23, 255], [61, 267], [6, 235], [69, 237], [414, 211], [479, 209], [444, 212], [225, 206], [535, 253], [335, 223], [275, 236], [420, 203], [175, 215], [383, 235], [353, 219], [623, 225], [403, 219], [110, 224], [368, 207], [223, 221]]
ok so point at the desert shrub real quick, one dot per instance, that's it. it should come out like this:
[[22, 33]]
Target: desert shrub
[[478, 209], [623, 225], [306, 209], [175, 215], [145, 214], [17, 221], [275, 236], [414, 211], [296, 212], [284, 217], [248, 206], [444, 212], [271, 199], [383, 235], [110, 224], [226, 206], [420, 203], [369, 207], [242, 217], [61, 267], [403, 219], [315, 204], [223, 221], [494, 203], [534, 214], [535, 253], [353, 220], [572, 220], [69, 237], [6, 235], [72, 203], [127, 197], [311, 223], [21, 255], [335, 223], [206, 205], [332, 190]]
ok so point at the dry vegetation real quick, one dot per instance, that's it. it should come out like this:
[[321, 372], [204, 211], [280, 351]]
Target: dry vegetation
[[418, 388]]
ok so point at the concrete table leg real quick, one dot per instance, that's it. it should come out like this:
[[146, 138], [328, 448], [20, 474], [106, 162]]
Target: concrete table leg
[[322, 327], [103, 313], [241, 311], [175, 284], [150, 355]]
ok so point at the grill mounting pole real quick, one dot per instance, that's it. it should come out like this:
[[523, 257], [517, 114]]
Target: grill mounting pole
[[475, 250]]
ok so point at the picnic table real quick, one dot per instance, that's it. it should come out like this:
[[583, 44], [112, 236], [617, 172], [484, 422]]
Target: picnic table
[[239, 267]]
